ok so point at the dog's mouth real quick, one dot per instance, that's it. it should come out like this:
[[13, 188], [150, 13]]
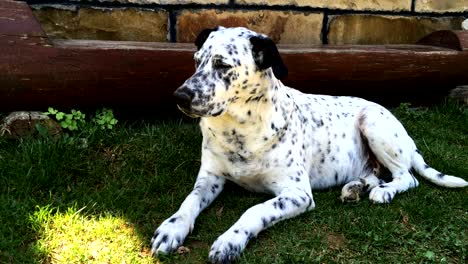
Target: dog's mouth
[[189, 112], [194, 113]]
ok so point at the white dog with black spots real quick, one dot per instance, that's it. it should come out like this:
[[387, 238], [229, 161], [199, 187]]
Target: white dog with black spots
[[270, 138]]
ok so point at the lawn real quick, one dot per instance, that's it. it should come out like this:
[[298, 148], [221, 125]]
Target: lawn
[[63, 201]]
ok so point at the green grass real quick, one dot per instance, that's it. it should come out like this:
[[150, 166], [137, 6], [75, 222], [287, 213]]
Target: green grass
[[63, 202]]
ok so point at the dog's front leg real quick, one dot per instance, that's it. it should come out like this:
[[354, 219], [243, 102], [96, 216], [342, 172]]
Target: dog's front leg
[[172, 232], [289, 203]]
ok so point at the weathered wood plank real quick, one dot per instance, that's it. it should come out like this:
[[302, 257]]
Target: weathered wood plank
[[37, 76], [136, 74], [16, 18]]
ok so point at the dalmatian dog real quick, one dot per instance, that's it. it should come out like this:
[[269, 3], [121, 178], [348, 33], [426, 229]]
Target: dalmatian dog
[[270, 138]]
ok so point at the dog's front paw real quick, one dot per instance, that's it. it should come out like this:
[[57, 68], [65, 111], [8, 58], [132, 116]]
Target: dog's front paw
[[382, 194], [170, 234], [228, 247]]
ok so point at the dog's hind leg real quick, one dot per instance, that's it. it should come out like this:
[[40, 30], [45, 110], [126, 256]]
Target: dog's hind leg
[[172, 232], [392, 147]]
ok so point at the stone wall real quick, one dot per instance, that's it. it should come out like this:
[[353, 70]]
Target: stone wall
[[286, 21]]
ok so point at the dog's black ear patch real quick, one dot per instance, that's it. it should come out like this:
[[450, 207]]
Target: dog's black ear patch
[[266, 55], [201, 38]]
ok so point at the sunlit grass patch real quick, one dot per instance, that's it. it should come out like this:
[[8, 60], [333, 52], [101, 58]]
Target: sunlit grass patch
[[69, 236]]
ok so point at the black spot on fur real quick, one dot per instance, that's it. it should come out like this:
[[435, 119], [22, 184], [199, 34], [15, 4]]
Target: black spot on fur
[[295, 203], [214, 187], [278, 204], [309, 203], [388, 197], [365, 188]]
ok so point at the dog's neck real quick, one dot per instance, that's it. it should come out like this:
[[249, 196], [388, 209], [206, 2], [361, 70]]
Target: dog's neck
[[261, 118]]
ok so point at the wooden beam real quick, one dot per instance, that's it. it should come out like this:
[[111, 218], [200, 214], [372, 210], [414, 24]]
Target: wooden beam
[[16, 18], [36, 72]]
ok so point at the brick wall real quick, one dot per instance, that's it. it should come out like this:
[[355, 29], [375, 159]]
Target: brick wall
[[286, 21]]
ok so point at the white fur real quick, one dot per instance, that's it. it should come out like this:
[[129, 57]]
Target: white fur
[[465, 24]]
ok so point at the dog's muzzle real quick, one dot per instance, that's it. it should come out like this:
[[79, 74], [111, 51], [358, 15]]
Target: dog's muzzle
[[184, 97]]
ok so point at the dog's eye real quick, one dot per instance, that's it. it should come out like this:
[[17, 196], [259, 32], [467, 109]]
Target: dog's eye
[[220, 65]]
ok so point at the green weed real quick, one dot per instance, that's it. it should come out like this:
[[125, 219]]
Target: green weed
[[75, 120]]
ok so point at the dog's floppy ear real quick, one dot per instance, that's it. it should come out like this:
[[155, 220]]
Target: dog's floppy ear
[[201, 38], [266, 55]]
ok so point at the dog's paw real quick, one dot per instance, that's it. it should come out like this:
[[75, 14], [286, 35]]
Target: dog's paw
[[382, 194], [351, 192], [170, 235], [228, 247]]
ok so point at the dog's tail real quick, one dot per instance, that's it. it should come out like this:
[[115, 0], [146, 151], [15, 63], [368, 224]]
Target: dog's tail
[[435, 176]]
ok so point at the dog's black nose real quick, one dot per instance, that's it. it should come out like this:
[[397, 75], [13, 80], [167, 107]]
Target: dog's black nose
[[184, 97]]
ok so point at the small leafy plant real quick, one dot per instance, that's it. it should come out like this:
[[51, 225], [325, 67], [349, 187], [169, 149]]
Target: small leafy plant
[[75, 120], [71, 121], [105, 119]]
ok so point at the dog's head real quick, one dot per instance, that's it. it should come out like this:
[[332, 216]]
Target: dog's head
[[232, 64]]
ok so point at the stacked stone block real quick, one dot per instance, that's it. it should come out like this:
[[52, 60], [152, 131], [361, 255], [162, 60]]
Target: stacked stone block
[[286, 21]]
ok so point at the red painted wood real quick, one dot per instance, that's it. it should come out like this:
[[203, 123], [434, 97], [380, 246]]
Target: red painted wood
[[37, 76], [16, 18]]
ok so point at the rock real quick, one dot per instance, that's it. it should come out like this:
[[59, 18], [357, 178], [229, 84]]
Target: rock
[[380, 29], [22, 124], [119, 24], [183, 250], [388, 5], [460, 94], [441, 6], [282, 27]]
